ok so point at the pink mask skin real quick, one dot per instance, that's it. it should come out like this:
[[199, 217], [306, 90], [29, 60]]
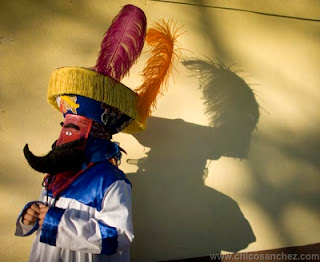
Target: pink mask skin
[[75, 127]]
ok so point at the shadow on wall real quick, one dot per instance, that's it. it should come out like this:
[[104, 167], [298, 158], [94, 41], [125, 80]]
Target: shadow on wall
[[175, 214]]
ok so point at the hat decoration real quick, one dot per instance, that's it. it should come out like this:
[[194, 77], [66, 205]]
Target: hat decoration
[[97, 93], [163, 39], [123, 43]]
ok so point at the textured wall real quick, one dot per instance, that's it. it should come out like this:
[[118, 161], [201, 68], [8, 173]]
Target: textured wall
[[189, 199]]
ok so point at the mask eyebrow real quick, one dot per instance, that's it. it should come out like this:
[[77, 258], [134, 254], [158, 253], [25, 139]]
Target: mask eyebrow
[[72, 126]]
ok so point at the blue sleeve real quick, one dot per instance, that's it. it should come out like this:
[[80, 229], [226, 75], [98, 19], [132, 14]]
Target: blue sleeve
[[77, 232], [109, 237], [26, 230], [50, 225]]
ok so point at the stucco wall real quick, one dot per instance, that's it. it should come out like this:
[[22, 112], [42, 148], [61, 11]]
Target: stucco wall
[[188, 201]]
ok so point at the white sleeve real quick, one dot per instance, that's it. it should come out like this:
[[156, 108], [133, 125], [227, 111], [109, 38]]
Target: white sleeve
[[108, 232]]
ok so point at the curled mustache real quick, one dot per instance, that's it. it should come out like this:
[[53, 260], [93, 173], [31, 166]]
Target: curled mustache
[[61, 158]]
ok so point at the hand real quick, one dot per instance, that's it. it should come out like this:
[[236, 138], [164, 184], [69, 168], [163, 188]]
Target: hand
[[43, 211], [31, 215]]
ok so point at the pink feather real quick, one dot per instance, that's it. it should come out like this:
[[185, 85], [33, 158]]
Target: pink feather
[[123, 43]]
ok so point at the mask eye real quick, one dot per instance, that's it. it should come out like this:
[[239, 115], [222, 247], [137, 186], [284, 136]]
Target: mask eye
[[68, 133]]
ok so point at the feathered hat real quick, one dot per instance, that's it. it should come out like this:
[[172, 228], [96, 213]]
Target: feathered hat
[[97, 93]]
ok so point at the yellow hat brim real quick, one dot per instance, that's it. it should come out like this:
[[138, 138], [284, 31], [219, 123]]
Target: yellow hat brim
[[93, 85]]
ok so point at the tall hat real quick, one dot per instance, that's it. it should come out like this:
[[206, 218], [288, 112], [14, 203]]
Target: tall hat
[[97, 93]]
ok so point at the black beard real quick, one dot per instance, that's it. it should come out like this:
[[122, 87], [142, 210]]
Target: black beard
[[61, 158]]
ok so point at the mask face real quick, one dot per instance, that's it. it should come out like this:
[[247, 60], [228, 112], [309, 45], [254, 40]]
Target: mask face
[[75, 127]]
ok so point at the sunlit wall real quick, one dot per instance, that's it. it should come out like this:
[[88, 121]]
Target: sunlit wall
[[189, 199]]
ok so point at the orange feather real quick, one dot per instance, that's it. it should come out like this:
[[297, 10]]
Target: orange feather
[[163, 39]]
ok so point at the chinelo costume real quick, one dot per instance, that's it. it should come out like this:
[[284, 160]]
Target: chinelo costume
[[89, 197]]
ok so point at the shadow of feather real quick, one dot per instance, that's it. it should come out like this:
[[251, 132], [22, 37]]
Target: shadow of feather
[[230, 104]]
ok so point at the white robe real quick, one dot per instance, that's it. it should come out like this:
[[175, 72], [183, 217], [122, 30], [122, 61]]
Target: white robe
[[91, 221]]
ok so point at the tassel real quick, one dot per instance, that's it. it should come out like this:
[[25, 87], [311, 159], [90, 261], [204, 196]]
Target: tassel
[[162, 37], [123, 43]]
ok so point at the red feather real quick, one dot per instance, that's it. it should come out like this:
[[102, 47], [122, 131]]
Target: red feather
[[123, 43]]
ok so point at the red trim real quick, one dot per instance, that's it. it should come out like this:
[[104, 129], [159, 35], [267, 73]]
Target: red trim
[[70, 180]]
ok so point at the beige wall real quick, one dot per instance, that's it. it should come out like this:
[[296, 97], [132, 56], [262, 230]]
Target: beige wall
[[273, 196]]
